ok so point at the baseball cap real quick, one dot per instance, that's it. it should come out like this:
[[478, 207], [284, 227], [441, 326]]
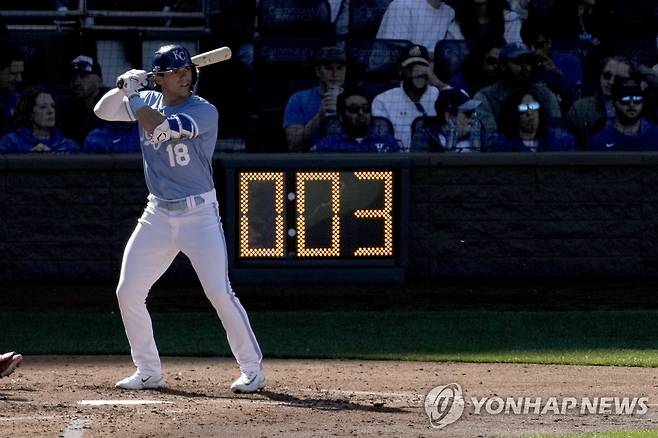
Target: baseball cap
[[326, 55], [415, 54], [514, 51], [84, 65], [455, 99], [626, 87]]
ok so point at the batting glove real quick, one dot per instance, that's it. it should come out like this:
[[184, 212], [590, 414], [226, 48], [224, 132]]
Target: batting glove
[[132, 81]]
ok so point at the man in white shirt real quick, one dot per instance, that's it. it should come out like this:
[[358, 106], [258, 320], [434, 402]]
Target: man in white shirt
[[423, 22], [413, 98]]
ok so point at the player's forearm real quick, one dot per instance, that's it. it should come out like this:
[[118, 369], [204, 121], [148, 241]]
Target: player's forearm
[[149, 118]]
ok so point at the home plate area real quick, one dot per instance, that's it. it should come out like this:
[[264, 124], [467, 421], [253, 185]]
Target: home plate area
[[75, 397]]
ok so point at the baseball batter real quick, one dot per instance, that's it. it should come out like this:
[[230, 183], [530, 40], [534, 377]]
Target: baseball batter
[[178, 131]]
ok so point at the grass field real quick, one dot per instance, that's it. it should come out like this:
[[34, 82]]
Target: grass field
[[624, 338]]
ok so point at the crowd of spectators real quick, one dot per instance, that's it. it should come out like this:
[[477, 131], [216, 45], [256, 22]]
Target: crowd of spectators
[[32, 120], [531, 75]]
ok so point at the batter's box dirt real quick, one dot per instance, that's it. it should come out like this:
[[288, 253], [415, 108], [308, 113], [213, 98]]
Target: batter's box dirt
[[75, 397]]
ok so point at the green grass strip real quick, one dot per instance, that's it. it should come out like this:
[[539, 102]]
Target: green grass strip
[[645, 433], [624, 338]]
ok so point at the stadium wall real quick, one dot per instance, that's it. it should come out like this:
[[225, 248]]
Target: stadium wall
[[68, 217]]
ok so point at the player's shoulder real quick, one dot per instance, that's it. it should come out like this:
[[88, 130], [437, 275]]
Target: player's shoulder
[[200, 104]]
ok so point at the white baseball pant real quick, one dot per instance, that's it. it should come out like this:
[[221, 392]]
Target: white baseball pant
[[159, 236]]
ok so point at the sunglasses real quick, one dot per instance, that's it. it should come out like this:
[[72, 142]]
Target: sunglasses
[[354, 109], [469, 114], [530, 106], [626, 100]]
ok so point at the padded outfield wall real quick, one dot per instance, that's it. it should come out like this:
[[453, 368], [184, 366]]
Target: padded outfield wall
[[579, 214]]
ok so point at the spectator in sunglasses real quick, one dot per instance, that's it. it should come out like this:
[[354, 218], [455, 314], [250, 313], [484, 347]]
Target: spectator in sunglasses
[[517, 62], [455, 128], [480, 69], [524, 127], [628, 131], [354, 113], [560, 71], [590, 114]]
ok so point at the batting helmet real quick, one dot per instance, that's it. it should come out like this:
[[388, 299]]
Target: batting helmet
[[170, 57]]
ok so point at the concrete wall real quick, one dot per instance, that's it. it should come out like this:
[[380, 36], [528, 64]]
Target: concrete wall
[[68, 217]]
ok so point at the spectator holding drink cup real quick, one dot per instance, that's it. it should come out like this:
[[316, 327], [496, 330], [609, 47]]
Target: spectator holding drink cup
[[306, 109]]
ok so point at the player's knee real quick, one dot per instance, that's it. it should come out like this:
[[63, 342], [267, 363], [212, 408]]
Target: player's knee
[[220, 295], [127, 295]]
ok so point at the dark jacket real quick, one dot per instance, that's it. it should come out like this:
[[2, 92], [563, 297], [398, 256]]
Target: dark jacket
[[610, 139], [344, 143], [557, 140]]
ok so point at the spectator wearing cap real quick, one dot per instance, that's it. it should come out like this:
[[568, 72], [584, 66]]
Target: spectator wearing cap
[[516, 65], [306, 109], [455, 128], [525, 128], [589, 115], [423, 22], [355, 116], [86, 88], [12, 65], [413, 98], [629, 130]]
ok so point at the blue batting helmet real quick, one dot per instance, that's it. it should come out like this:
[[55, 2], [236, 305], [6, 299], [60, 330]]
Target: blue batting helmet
[[170, 57]]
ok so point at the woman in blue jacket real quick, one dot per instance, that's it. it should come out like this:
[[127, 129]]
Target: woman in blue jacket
[[35, 126]]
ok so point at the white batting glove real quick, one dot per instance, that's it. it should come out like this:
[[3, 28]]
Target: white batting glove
[[132, 81]]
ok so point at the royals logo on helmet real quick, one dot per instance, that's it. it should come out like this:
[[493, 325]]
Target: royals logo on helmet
[[179, 54]]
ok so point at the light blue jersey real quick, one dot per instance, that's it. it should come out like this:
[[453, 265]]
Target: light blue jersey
[[181, 167]]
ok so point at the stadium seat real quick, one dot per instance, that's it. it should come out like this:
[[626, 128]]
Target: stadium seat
[[365, 17], [449, 56], [304, 18]]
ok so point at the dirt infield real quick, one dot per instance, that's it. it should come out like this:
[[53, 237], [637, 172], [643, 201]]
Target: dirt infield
[[62, 396]]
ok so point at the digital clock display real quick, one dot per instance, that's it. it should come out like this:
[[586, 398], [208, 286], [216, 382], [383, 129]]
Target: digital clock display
[[316, 214]]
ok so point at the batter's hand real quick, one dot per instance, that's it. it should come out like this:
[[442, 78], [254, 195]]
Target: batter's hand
[[132, 81]]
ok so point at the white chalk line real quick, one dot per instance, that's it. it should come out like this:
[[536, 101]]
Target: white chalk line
[[76, 427], [34, 418], [374, 393], [245, 401], [122, 402]]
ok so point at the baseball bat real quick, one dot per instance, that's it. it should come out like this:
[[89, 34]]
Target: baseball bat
[[212, 57]]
